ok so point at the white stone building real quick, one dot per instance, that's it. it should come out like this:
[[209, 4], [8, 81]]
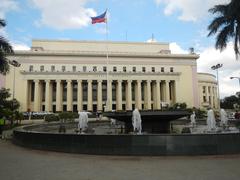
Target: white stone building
[[77, 75]]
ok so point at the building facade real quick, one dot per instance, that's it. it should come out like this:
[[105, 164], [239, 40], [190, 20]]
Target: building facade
[[96, 76]]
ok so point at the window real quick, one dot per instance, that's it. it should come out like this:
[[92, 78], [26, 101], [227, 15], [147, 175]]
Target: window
[[209, 89], [114, 69], [104, 68], [171, 69], [143, 69], [153, 69], [63, 68], [74, 68], [124, 69], [204, 99], [94, 68], [204, 89], [41, 68], [162, 69], [134, 69], [31, 68], [84, 68], [52, 68]]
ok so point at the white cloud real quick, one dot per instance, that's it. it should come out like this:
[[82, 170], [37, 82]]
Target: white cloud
[[20, 47], [64, 14], [176, 49], [6, 6], [231, 67], [190, 10], [210, 56]]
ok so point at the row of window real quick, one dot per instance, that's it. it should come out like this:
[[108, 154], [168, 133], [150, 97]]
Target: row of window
[[95, 69]]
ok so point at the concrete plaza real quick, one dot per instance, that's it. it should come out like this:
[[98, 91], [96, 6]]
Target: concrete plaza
[[19, 163]]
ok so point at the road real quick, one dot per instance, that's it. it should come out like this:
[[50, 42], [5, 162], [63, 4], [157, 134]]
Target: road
[[18, 163]]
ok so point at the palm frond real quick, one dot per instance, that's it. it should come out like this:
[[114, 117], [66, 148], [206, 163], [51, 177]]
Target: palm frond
[[2, 23], [223, 36], [216, 24], [5, 46]]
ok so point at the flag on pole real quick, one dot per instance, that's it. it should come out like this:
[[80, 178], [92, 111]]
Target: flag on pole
[[99, 19]]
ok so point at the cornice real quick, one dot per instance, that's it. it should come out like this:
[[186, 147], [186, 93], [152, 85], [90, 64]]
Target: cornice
[[101, 73], [103, 54]]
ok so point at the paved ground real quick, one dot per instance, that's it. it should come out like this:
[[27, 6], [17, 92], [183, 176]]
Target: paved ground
[[17, 163]]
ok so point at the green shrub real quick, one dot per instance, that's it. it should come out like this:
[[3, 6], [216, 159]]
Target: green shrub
[[186, 130], [66, 116], [51, 117]]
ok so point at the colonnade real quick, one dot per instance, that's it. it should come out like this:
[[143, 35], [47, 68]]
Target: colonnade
[[99, 95]]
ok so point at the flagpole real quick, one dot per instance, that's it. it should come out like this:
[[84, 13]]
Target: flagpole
[[108, 103]]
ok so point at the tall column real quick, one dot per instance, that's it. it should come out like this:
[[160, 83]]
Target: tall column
[[69, 95], [79, 96], [47, 95], [207, 94], [36, 96], [211, 96], [138, 98], [99, 96], [109, 95], [119, 95], [58, 96], [129, 95], [158, 97], [90, 100], [167, 92], [149, 94]]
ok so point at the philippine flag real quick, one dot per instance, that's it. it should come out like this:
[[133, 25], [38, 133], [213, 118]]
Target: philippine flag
[[99, 19]]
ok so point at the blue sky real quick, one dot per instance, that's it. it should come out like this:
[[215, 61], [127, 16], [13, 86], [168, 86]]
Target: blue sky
[[182, 23]]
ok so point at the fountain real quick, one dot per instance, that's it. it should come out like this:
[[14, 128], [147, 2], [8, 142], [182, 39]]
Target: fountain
[[123, 142], [136, 122], [211, 122], [223, 117], [83, 122], [193, 119]]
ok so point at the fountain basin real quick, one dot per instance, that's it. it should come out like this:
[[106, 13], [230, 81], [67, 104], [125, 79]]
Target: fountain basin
[[127, 144], [152, 121]]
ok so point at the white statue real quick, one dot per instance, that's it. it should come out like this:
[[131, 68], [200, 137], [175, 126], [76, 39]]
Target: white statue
[[223, 117], [137, 121], [211, 122], [83, 121], [193, 119]]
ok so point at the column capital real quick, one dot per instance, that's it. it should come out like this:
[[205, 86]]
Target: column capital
[[149, 81], [119, 81], [79, 80], [69, 81], [58, 80], [36, 80], [89, 80], [139, 81], [167, 81], [99, 81], [47, 81], [158, 81], [129, 81]]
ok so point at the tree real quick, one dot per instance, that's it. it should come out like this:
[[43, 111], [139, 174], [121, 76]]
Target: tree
[[228, 102], [8, 107], [5, 49], [226, 25]]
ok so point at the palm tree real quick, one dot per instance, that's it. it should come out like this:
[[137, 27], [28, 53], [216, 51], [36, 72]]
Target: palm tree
[[5, 49], [226, 25]]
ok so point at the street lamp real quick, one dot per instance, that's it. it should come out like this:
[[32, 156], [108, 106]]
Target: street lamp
[[15, 64], [216, 67], [236, 78]]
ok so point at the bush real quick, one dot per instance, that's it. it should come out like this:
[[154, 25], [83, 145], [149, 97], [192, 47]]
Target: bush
[[51, 117], [66, 116], [186, 130]]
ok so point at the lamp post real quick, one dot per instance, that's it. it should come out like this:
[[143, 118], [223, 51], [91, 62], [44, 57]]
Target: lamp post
[[236, 78], [15, 64], [216, 67]]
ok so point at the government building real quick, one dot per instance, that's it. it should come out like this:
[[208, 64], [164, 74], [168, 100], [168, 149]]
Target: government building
[[59, 75]]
